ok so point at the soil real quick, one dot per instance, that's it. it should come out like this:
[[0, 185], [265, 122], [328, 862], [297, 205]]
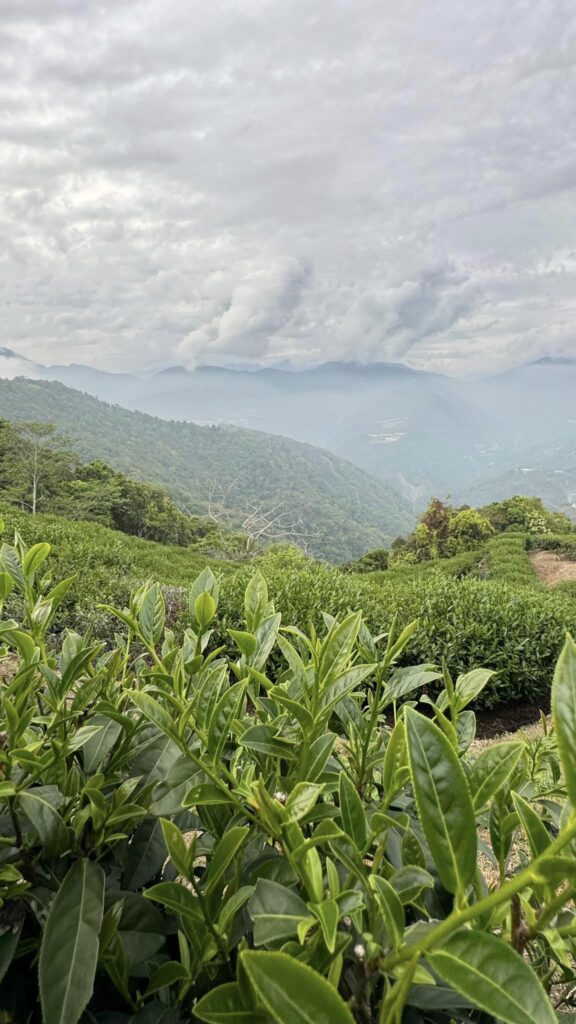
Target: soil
[[551, 568], [507, 718]]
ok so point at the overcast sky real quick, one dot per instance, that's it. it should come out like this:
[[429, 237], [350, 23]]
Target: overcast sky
[[301, 180]]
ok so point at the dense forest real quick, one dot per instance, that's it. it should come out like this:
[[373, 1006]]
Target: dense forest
[[325, 504]]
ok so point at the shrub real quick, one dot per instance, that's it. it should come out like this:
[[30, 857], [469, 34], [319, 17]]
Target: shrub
[[564, 544], [190, 837], [518, 631], [508, 560]]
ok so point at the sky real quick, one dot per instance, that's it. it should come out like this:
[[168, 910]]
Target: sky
[[266, 182]]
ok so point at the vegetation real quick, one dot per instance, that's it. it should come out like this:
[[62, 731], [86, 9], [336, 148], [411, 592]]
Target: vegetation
[[40, 472], [445, 531], [310, 496], [287, 833], [516, 631]]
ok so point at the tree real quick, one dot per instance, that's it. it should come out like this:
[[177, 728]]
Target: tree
[[470, 527], [35, 463]]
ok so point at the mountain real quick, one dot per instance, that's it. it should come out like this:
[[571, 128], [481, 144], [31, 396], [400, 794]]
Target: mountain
[[424, 434], [548, 469], [337, 511], [415, 430]]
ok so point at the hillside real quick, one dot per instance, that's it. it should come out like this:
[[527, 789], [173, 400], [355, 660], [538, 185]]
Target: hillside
[[423, 433], [339, 511]]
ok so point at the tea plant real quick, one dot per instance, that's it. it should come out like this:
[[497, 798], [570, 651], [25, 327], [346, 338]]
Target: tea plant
[[191, 836]]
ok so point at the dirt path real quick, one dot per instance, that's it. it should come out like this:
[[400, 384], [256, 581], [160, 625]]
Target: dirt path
[[551, 568]]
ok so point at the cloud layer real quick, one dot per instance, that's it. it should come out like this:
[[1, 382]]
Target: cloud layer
[[191, 182]]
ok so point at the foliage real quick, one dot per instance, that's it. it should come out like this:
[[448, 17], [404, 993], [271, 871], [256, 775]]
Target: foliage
[[517, 631], [106, 565], [36, 463], [508, 560], [342, 511], [564, 544], [188, 837], [443, 531], [372, 561], [39, 472], [525, 514]]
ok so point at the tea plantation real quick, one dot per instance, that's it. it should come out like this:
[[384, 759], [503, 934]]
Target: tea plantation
[[250, 792]]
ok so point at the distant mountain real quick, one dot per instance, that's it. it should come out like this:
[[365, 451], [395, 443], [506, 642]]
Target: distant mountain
[[340, 510], [414, 430], [422, 433]]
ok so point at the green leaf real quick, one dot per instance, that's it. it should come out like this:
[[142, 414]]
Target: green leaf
[[152, 615], [343, 685], [6, 585], [69, 949], [48, 823], [206, 794], [263, 738], [444, 802], [177, 898], [292, 992], [301, 800], [406, 680], [390, 907], [276, 911], [34, 558], [564, 713], [338, 646], [409, 882], [490, 771], [153, 711], [255, 601], [538, 836], [352, 812], [204, 610], [315, 762], [470, 685], [328, 914], [226, 710], [145, 855], [225, 1005], [298, 711], [494, 977], [176, 846], [207, 583], [8, 946], [167, 974], [98, 747], [224, 853], [246, 642], [394, 757]]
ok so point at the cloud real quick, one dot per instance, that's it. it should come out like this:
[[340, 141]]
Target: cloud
[[254, 180], [250, 314], [11, 366]]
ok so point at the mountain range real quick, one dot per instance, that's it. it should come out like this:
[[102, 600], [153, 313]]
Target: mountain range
[[288, 489], [423, 433]]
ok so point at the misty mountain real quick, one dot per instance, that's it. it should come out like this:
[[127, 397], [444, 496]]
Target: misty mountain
[[423, 433], [326, 504]]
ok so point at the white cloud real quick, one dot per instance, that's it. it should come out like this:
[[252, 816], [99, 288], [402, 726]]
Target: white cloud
[[254, 180], [250, 314]]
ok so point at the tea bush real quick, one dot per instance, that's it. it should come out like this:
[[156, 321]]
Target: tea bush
[[189, 837], [508, 560], [517, 631], [564, 544]]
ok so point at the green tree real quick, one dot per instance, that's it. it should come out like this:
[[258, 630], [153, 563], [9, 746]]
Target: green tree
[[35, 464], [470, 527]]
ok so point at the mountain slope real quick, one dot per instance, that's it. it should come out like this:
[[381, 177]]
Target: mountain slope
[[340, 510], [423, 433]]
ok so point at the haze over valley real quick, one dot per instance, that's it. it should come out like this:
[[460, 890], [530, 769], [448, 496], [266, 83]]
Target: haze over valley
[[423, 433]]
